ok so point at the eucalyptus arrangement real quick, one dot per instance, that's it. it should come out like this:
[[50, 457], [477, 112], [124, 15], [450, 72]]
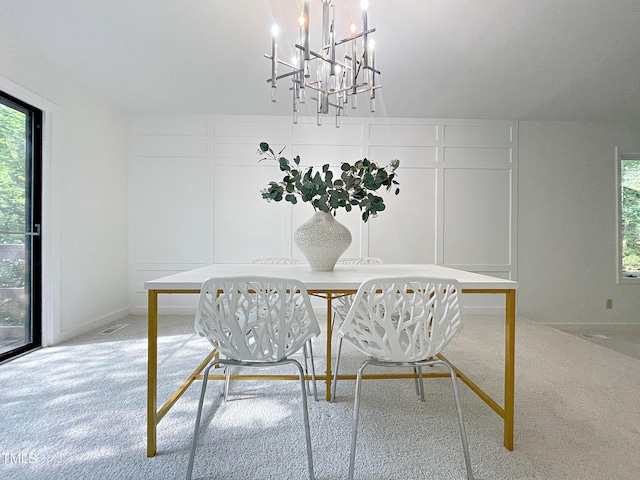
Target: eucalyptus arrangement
[[326, 193]]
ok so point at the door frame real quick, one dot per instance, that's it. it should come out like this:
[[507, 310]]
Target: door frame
[[34, 247]]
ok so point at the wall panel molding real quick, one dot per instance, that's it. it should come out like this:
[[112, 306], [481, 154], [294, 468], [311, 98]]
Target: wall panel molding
[[457, 202]]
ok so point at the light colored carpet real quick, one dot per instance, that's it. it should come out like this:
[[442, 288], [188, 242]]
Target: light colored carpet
[[77, 411]]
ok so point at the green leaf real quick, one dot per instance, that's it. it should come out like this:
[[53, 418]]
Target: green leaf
[[317, 185], [328, 178], [284, 164]]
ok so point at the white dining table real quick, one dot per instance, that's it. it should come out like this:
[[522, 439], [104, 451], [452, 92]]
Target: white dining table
[[343, 280]]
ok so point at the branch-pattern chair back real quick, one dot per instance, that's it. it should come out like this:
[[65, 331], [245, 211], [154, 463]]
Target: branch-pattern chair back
[[359, 261], [255, 318], [276, 261], [403, 319]]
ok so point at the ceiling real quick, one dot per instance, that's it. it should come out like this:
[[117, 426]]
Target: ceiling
[[568, 60]]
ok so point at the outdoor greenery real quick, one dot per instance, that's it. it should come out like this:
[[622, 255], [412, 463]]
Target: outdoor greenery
[[354, 187], [12, 169], [12, 210], [631, 216]]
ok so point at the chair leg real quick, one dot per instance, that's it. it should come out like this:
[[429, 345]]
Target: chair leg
[[313, 371], [227, 381], [335, 375], [420, 384], [305, 356], [192, 454], [305, 411], [463, 434], [356, 414]]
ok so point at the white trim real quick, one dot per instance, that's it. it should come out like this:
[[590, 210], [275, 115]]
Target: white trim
[[590, 325], [619, 157], [92, 325]]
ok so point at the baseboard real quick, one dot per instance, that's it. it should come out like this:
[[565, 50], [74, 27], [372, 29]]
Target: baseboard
[[591, 324], [488, 311], [321, 312], [89, 326], [164, 311]]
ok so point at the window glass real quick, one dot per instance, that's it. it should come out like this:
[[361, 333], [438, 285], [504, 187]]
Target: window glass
[[630, 215]]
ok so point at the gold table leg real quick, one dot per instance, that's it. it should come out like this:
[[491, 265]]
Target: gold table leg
[[329, 335], [152, 371], [509, 368]]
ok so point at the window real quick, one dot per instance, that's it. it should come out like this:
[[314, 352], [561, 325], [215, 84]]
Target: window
[[629, 216]]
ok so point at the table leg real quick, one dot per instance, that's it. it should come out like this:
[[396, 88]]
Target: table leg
[[152, 371], [509, 368], [329, 335]]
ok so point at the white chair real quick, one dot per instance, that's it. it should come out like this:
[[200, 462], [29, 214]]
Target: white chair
[[255, 322], [267, 261], [276, 260], [343, 304], [403, 322], [359, 261]]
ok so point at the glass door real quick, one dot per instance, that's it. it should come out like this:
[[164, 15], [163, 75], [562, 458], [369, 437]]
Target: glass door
[[20, 240]]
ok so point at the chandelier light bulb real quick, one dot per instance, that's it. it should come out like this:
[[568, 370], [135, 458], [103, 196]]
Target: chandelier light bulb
[[275, 30], [364, 4]]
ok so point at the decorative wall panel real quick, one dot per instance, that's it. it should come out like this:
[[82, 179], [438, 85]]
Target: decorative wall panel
[[195, 187]]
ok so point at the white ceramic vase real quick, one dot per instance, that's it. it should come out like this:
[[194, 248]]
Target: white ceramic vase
[[322, 240]]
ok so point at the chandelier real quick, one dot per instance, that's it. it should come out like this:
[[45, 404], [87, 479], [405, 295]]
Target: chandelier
[[335, 74]]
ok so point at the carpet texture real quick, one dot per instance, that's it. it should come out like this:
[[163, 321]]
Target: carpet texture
[[78, 411]]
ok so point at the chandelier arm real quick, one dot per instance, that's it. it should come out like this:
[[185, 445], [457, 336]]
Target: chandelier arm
[[349, 90], [311, 52], [284, 75], [354, 36], [368, 89], [340, 107], [282, 62]]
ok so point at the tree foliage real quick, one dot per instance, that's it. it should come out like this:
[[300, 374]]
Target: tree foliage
[[631, 216], [12, 209], [12, 169]]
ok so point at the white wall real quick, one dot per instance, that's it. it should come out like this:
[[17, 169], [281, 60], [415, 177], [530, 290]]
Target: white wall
[[185, 170], [567, 223], [195, 193], [85, 202]]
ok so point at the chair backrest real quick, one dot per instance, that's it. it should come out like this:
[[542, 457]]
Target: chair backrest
[[403, 319], [255, 318], [359, 261], [277, 260]]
